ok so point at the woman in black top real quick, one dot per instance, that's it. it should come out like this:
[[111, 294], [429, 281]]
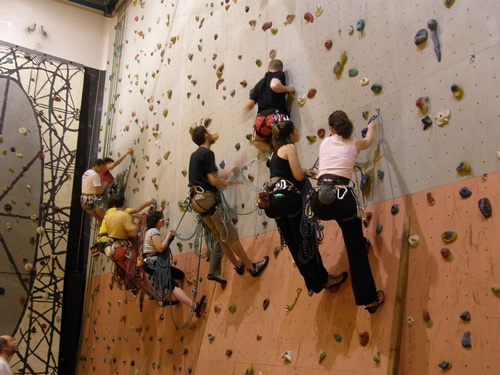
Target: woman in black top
[[287, 209]]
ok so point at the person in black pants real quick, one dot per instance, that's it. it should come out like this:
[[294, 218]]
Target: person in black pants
[[296, 232], [336, 201]]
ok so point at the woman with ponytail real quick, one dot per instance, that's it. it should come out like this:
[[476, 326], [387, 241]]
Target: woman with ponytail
[[300, 234]]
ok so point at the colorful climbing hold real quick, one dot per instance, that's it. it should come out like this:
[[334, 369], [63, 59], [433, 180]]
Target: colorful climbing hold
[[465, 192], [379, 228], [376, 357], [258, 63], [287, 356], [426, 317], [267, 25], [445, 365], [376, 88], [360, 25], [308, 17], [328, 44], [420, 37], [337, 337], [311, 93], [463, 167], [289, 19], [364, 81], [422, 104], [484, 205], [457, 91], [430, 199], [321, 132], [232, 308], [229, 352], [495, 290], [443, 117], [353, 72], [265, 304], [249, 370], [449, 236], [364, 337], [413, 240], [311, 138], [380, 174], [427, 121], [395, 209], [466, 342], [465, 316], [321, 356], [446, 253], [432, 26], [448, 3]]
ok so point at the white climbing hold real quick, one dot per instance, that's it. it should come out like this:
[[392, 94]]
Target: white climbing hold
[[287, 356], [413, 240]]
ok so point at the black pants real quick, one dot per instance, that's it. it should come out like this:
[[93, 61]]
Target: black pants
[[314, 272], [363, 285]]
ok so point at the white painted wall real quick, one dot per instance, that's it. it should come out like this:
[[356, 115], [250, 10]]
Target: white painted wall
[[73, 32]]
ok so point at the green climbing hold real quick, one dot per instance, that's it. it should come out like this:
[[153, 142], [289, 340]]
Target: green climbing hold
[[376, 88], [449, 236], [337, 337], [360, 25], [380, 174], [353, 72], [321, 357], [379, 228], [445, 365], [496, 290], [232, 308], [276, 251]]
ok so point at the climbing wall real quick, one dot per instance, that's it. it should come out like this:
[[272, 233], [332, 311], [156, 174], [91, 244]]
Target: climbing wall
[[175, 65], [40, 103]]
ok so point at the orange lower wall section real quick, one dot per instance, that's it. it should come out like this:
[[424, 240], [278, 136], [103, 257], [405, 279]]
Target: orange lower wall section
[[120, 339]]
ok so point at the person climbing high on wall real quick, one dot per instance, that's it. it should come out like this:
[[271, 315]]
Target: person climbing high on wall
[[270, 95], [336, 200], [204, 180], [92, 191], [106, 175], [154, 245]]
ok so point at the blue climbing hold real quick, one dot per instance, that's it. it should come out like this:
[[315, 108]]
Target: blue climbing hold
[[465, 192]]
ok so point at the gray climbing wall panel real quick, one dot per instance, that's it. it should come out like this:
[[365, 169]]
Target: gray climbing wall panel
[[178, 46]]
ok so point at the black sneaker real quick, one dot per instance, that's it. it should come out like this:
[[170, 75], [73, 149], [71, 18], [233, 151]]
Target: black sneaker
[[259, 266]]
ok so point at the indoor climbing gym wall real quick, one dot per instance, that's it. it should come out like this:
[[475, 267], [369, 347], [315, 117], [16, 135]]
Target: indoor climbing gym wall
[[428, 69], [39, 113]]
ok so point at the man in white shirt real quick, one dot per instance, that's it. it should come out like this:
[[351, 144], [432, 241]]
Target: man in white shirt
[[92, 190], [7, 348]]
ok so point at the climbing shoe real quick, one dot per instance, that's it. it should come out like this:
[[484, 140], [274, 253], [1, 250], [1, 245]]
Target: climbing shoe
[[335, 279], [199, 306], [240, 270], [259, 266], [218, 279]]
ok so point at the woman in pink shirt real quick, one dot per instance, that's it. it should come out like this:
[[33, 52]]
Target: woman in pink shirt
[[336, 201]]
